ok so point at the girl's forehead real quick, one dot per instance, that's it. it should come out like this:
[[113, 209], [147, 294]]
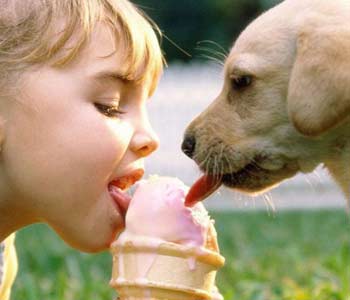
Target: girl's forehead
[[103, 43], [103, 50], [105, 59]]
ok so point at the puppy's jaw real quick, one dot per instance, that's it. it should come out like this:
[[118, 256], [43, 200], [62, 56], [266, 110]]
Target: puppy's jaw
[[254, 179], [251, 175]]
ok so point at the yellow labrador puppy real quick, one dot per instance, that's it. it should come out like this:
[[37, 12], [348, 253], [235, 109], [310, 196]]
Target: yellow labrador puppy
[[284, 106]]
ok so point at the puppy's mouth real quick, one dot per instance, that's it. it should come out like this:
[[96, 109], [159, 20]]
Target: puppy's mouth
[[252, 178]]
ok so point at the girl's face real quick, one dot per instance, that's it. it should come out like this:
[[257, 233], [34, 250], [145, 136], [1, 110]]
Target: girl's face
[[69, 134]]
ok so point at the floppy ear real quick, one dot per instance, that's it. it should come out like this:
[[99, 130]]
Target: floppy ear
[[319, 87]]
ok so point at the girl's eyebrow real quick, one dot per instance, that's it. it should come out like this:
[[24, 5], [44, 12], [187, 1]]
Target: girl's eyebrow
[[111, 76]]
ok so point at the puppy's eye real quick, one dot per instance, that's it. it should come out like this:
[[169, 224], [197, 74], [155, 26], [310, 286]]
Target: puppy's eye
[[240, 82]]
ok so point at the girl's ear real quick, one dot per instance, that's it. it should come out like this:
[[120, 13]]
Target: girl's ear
[[319, 87]]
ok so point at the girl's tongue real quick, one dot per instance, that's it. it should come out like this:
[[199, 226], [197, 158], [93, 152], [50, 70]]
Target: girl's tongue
[[121, 198]]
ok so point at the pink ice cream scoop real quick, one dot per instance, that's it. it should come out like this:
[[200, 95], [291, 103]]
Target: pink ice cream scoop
[[157, 210]]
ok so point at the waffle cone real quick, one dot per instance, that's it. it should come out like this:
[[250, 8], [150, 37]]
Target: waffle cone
[[167, 272]]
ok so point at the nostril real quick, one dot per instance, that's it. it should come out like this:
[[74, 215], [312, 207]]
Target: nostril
[[188, 145]]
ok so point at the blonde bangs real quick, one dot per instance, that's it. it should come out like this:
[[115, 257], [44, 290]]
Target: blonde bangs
[[36, 27]]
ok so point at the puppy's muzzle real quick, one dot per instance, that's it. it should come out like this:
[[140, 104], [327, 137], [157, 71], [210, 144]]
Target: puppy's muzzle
[[189, 145]]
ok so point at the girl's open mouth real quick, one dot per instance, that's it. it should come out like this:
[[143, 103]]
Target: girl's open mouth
[[118, 189]]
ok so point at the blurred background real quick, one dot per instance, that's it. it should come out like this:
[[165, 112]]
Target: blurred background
[[188, 23], [291, 244]]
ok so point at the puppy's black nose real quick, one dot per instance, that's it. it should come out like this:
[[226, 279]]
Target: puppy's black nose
[[188, 145]]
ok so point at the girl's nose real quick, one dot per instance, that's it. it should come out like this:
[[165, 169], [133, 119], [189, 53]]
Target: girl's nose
[[144, 142]]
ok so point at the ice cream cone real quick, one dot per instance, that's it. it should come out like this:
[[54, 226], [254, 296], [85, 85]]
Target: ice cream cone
[[168, 271]]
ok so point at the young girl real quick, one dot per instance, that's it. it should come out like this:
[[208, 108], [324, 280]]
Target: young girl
[[74, 82]]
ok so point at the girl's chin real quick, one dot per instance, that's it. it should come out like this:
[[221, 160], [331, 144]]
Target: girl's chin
[[90, 246], [92, 234], [100, 242]]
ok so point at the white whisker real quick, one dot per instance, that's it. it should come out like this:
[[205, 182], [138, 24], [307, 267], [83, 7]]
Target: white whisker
[[271, 208], [212, 51], [214, 59], [222, 51]]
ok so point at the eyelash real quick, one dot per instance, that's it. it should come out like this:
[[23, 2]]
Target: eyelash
[[108, 110]]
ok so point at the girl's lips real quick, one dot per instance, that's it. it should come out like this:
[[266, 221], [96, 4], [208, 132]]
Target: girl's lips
[[124, 182]]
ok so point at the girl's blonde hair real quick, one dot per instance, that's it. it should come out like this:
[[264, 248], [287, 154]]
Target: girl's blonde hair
[[29, 34]]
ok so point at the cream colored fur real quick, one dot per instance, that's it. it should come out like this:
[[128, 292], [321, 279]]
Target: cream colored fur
[[295, 115]]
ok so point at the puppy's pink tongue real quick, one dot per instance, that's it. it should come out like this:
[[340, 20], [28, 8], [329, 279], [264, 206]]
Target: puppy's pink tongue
[[201, 189]]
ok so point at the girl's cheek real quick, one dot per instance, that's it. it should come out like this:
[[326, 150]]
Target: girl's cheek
[[120, 130], [119, 136]]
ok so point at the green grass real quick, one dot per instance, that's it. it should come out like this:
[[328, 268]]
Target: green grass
[[288, 256]]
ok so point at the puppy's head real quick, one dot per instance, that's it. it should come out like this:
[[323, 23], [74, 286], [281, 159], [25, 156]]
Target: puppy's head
[[285, 99]]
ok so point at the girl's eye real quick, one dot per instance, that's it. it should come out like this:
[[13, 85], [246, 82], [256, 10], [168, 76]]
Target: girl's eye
[[240, 82], [108, 110]]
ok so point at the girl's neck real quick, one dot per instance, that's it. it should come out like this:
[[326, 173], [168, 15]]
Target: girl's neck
[[12, 217]]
